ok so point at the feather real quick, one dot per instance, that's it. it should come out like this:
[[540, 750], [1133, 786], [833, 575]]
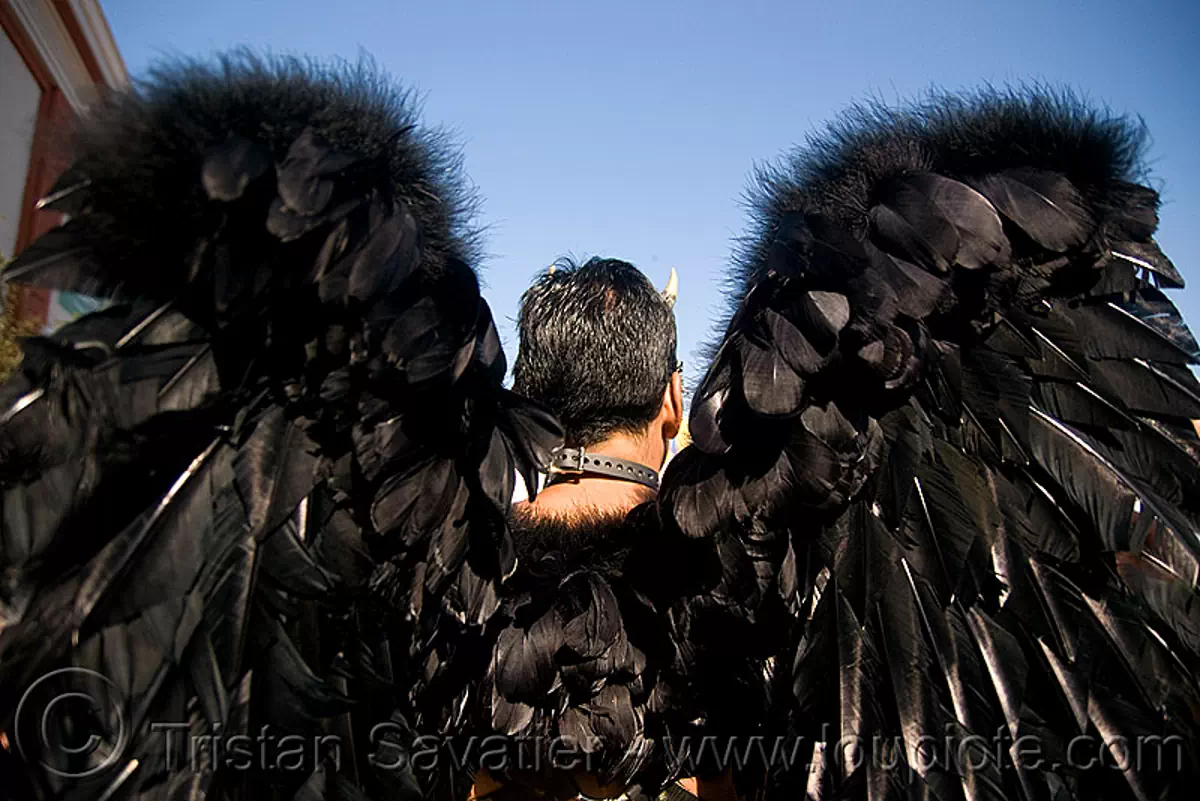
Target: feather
[[386, 257], [856, 685], [326, 785], [964, 671], [523, 660], [208, 680], [917, 292], [1156, 461], [1153, 308], [909, 661], [489, 352], [832, 457], [61, 259], [997, 391], [1097, 486], [69, 195], [1116, 333], [1034, 518], [448, 545], [1150, 389], [416, 501], [614, 718], [406, 326], [532, 432], [228, 583], [1107, 722], [306, 184], [828, 251], [471, 599], [907, 434], [704, 424], [196, 383], [593, 627], [769, 384], [945, 527], [793, 346], [1046, 207], [1077, 404], [276, 468], [1114, 277], [291, 692], [1139, 210], [1059, 341], [821, 316], [865, 555], [697, 493], [381, 445], [981, 241], [1005, 664], [232, 165], [1148, 256], [496, 472], [304, 180], [1174, 602], [48, 631], [289, 563], [1162, 679], [915, 232]]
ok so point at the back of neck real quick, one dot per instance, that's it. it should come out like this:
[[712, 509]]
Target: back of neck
[[592, 495]]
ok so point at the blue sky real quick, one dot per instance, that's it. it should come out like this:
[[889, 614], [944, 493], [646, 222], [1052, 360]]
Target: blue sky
[[630, 129]]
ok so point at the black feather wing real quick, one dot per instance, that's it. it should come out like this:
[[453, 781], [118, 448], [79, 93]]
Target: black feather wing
[[992, 530], [210, 487]]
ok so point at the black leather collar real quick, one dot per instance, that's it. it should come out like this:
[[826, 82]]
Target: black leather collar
[[577, 462]]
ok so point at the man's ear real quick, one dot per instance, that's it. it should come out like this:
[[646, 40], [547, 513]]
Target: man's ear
[[672, 410]]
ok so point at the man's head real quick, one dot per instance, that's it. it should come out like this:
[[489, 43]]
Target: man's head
[[598, 348]]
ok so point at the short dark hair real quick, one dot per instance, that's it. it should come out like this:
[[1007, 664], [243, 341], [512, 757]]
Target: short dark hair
[[597, 348]]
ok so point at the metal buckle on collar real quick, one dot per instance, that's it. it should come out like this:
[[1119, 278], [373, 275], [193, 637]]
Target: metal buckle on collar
[[567, 462], [577, 462]]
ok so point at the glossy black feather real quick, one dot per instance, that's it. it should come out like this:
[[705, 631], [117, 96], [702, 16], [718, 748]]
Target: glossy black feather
[[61, 259], [524, 659], [231, 166], [770, 385], [1046, 207], [306, 177], [1148, 256]]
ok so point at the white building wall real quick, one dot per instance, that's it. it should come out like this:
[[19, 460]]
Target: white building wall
[[49, 36], [19, 99]]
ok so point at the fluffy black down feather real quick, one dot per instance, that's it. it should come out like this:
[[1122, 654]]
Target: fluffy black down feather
[[945, 440]]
